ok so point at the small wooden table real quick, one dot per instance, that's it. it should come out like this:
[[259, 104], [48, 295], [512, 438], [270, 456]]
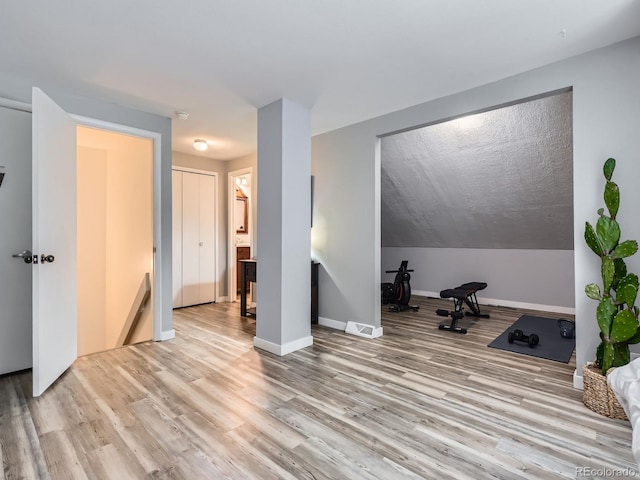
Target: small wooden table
[[248, 273]]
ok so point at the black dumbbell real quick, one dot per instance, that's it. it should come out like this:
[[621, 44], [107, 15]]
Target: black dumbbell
[[519, 336]]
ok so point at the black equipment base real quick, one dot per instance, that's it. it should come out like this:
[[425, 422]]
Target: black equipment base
[[464, 293], [398, 293]]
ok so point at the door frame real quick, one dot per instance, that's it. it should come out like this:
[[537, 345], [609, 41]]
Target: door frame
[[216, 218], [231, 230], [155, 137]]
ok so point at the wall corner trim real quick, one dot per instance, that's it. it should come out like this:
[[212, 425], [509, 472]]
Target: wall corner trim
[[167, 335], [578, 382], [284, 349]]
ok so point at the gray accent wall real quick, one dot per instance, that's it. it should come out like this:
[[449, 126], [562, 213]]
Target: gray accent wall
[[346, 166], [535, 279]]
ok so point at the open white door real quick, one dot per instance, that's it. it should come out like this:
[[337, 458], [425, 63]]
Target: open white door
[[55, 291]]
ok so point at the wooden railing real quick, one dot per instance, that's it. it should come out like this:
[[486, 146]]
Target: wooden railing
[[139, 303]]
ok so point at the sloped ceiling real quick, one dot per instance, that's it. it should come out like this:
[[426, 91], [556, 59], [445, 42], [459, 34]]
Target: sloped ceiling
[[500, 180]]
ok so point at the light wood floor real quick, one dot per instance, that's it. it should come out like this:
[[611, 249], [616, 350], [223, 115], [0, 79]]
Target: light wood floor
[[415, 403]]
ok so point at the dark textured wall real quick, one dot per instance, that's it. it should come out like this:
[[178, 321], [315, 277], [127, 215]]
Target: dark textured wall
[[501, 179]]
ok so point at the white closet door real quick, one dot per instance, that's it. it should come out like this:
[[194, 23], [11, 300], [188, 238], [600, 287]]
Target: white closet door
[[190, 238], [207, 239], [176, 182]]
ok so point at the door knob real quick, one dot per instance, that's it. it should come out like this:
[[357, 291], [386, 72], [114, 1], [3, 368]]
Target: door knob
[[46, 258], [26, 255]]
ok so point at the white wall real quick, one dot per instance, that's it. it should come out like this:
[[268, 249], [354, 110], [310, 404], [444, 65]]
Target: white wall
[[346, 165], [92, 249], [535, 279], [15, 236], [222, 167], [115, 235], [129, 223]]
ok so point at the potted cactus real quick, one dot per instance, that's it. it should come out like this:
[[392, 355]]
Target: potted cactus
[[617, 314]]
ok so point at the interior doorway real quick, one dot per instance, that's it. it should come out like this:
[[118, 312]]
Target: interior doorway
[[240, 226], [115, 239]]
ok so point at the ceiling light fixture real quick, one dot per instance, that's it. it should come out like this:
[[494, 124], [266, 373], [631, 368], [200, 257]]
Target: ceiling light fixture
[[200, 145]]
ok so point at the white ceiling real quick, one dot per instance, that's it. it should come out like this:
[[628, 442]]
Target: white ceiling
[[348, 60]]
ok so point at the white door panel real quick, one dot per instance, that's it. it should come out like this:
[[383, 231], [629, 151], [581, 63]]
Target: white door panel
[[55, 292], [176, 222], [190, 238], [207, 239], [194, 264]]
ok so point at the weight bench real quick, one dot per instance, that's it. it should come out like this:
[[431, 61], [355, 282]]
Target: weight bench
[[464, 293]]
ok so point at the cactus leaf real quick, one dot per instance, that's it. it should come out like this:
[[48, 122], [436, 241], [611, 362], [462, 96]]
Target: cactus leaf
[[635, 339], [599, 354], [608, 168], [627, 290], [626, 249], [608, 232], [621, 272], [612, 198], [608, 355], [593, 291], [608, 272], [621, 354], [592, 239], [616, 314], [623, 327], [604, 313]]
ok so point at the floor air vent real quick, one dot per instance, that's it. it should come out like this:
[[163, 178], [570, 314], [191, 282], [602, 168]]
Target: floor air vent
[[363, 330]]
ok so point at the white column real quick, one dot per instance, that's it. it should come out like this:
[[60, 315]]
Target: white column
[[283, 322]]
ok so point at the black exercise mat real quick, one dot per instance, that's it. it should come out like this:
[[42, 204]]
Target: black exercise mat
[[552, 346]]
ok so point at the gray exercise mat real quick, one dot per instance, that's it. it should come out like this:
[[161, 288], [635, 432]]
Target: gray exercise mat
[[552, 346]]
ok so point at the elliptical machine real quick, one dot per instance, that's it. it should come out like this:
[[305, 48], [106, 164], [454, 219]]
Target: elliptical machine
[[398, 293]]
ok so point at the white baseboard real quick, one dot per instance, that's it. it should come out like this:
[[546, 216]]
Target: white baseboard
[[224, 299], [335, 324], [363, 330], [577, 380], [508, 303], [167, 335], [284, 349], [353, 328]]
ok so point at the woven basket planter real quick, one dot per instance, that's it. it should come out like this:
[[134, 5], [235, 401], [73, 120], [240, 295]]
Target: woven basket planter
[[598, 396]]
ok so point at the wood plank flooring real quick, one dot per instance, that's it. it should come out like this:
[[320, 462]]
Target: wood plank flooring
[[417, 403]]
